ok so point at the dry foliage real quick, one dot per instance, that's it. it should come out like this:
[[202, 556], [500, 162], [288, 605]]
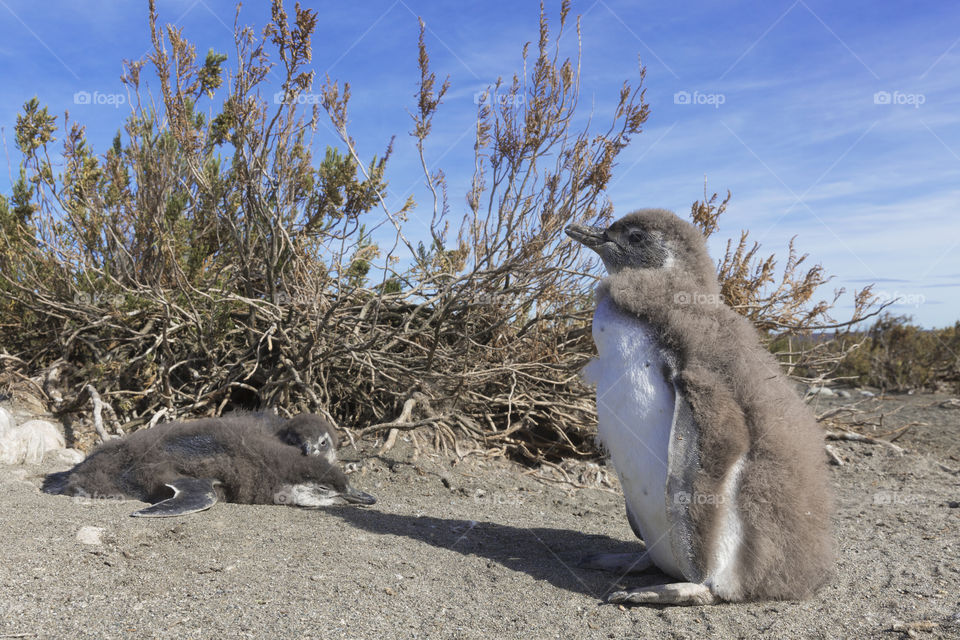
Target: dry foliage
[[208, 261], [782, 305], [896, 355]]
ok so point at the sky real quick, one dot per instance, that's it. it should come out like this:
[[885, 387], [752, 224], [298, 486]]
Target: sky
[[835, 123]]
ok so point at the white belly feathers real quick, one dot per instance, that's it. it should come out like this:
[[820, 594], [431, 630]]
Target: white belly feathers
[[635, 405]]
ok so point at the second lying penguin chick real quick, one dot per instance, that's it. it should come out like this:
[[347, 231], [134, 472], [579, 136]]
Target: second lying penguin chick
[[312, 434], [309, 432], [236, 458]]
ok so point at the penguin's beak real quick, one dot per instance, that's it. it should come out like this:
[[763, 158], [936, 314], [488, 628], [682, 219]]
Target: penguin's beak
[[354, 496], [591, 237]]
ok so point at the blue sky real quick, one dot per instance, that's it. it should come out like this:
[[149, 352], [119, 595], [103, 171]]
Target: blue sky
[[838, 123]]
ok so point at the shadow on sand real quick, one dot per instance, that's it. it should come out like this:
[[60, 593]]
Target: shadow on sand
[[544, 554]]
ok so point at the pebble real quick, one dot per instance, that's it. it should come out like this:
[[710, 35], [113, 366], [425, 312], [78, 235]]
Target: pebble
[[90, 535], [29, 442]]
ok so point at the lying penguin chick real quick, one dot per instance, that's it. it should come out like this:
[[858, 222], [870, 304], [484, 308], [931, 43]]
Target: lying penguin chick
[[312, 434], [722, 465], [201, 461]]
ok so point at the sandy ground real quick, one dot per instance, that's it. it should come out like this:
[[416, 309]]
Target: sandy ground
[[465, 549]]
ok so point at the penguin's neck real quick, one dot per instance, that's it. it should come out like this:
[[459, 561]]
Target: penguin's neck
[[627, 344], [652, 294]]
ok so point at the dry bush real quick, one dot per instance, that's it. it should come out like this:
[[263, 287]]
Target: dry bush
[[897, 355], [205, 263], [210, 262], [799, 329]]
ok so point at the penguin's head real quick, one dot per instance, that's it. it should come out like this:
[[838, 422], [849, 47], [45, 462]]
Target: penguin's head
[[312, 434], [645, 239], [628, 243]]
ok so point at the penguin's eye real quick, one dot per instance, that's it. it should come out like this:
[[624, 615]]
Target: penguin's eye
[[635, 236], [323, 442]]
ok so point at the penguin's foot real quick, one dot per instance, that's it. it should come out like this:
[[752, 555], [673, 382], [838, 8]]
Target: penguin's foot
[[678, 593], [623, 563]]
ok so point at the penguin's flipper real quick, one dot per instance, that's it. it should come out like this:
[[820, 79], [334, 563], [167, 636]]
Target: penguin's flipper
[[623, 563], [678, 593], [190, 495], [634, 525]]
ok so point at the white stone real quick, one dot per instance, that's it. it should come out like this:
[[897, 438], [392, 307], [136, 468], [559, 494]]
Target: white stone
[[67, 456], [28, 443], [90, 535], [6, 422]]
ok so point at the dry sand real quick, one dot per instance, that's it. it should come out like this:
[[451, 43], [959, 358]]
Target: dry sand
[[464, 549]]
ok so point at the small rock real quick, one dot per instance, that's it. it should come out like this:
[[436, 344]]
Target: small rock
[[6, 422], [28, 443], [90, 535], [953, 504], [825, 392], [66, 456], [866, 394], [911, 628], [843, 393]]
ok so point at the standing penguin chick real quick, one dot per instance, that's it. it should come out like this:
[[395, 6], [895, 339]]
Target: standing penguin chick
[[243, 458], [722, 464]]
